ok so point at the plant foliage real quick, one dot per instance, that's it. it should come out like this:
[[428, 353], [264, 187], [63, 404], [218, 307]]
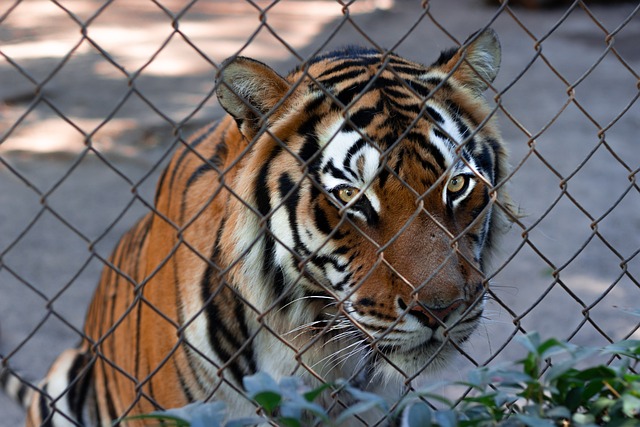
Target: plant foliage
[[547, 388]]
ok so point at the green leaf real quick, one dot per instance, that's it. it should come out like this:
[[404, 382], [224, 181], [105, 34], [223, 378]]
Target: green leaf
[[476, 414], [264, 390], [512, 378], [294, 409], [488, 400], [630, 405], [559, 412], [629, 348], [584, 419], [195, 414], [601, 404], [552, 346], [502, 398], [431, 396], [358, 408], [367, 397], [530, 341], [530, 365], [574, 398], [559, 368], [269, 400], [312, 395], [599, 372], [634, 379], [532, 421], [288, 422]]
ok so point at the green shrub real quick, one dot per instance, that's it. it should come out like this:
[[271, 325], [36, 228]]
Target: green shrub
[[549, 387]]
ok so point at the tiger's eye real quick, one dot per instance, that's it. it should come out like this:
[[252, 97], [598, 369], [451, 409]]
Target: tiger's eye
[[347, 194], [457, 183]]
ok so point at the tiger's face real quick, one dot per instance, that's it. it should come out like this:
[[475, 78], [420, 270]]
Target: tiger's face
[[377, 179]]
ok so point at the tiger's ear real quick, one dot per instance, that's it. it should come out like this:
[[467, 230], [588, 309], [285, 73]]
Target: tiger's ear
[[249, 90], [476, 63]]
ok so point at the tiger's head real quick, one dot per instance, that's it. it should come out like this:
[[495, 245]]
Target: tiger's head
[[369, 198]]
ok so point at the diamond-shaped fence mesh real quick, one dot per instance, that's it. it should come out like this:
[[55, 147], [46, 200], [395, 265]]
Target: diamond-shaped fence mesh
[[96, 97]]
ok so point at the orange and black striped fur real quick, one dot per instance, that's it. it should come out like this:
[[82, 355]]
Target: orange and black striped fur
[[336, 224]]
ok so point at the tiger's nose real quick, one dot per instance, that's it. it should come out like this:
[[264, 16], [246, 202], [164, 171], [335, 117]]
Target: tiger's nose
[[432, 317]]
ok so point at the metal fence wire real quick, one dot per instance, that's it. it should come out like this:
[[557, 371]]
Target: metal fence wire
[[97, 95]]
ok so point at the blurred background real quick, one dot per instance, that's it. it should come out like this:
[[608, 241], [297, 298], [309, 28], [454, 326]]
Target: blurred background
[[95, 96]]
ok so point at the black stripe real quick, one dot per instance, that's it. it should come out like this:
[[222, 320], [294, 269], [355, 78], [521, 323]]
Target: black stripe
[[342, 77], [438, 158], [45, 413], [321, 261], [445, 56], [357, 146], [405, 68], [434, 115], [497, 149], [321, 220], [213, 163], [438, 133], [363, 117], [122, 252], [146, 228], [425, 91], [480, 207], [456, 113], [309, 125], [396, 91], [383, 176], [151, 394], [159, 185], [190, 149], [279, 285], [342, 250], [241, 321], [111, 410], [183, 385], [309, 148], [218, 331], [187, 349], [291, 197], [437, 82], [262, 184], [350, 62], [183, 155], [346, 95], [263, 202], [22, 395], [485, 162], [426, 164], [219, 328], [79, 382], [345, 281], [118, 263], [364, 206], [337, 173]]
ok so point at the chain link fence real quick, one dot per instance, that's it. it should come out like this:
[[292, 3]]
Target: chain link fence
[[97, 95]]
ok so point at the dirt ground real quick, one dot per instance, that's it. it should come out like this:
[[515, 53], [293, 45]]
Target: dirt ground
[[567, 92]]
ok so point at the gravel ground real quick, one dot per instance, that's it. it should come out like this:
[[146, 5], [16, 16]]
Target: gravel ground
[[570, 268]]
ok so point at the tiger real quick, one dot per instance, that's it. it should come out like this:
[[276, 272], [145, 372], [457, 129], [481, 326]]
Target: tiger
[[336, 223]]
